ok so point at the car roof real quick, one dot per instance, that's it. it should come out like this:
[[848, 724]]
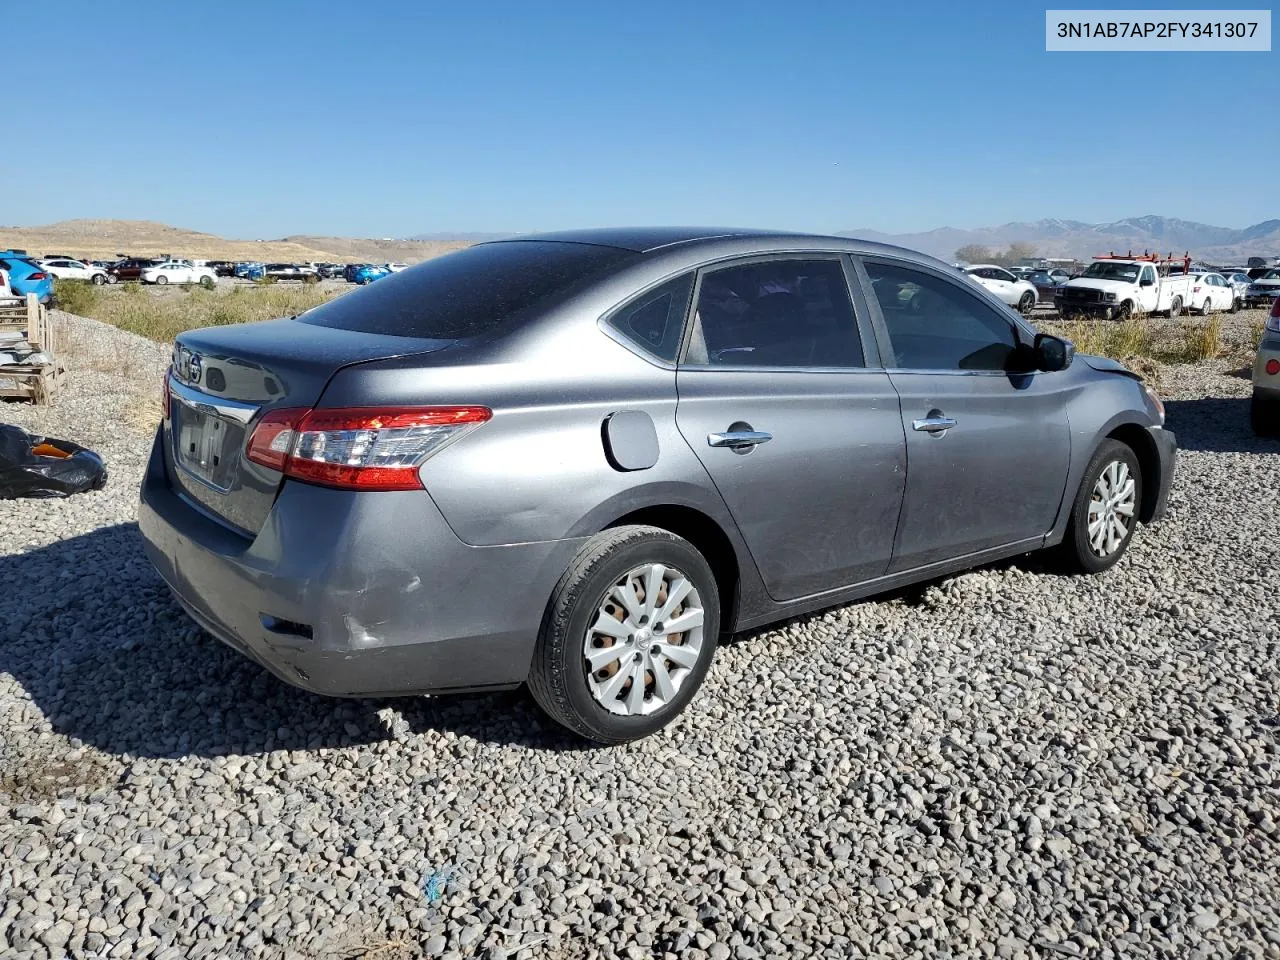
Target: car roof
[[645, 239], [700, 242]]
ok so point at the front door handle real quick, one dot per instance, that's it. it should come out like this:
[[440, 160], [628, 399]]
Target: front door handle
[[738, 439], [933, 424]]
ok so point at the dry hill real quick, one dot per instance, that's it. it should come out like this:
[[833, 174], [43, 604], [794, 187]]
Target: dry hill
[[104, 239]]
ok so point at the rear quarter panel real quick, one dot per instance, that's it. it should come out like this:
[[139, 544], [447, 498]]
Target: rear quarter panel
[[538, 469]]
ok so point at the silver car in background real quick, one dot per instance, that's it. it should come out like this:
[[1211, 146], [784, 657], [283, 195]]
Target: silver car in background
[[577, 460]]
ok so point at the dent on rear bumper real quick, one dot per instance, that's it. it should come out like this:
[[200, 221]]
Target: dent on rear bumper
[[395, 603]]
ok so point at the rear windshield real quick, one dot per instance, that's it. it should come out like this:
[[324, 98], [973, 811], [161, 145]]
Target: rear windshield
[[468, 293]]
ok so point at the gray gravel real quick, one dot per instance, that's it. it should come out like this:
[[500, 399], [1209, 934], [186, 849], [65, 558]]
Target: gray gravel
[[1009, 763]]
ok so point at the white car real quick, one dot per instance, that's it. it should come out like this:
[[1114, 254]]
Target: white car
[[397, 267], [178, 271], [1012, 290], [66, 269], [1211, 291]]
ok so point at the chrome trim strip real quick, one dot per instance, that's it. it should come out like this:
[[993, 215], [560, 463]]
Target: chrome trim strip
[[227, 409]]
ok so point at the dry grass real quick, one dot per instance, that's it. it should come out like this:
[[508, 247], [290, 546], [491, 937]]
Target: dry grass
[[163, 317]]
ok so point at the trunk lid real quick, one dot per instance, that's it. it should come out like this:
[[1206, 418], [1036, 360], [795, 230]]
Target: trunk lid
[[224, 378]]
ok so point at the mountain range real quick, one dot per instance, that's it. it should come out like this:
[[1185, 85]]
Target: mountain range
[[1074, 238]]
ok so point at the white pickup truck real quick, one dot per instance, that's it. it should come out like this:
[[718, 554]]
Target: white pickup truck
[[1121, 287]]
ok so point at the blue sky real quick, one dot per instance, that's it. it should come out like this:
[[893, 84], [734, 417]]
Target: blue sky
[[396, 118]]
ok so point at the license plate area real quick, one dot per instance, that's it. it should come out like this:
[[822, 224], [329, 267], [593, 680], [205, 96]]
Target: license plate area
[[205, 445]]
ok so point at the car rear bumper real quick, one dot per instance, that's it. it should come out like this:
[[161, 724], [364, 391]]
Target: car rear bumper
[[1263, 382], [355, 594]]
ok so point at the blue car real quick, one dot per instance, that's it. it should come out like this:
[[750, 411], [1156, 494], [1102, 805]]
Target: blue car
[[26, 276], [249, 270], [368, 272]]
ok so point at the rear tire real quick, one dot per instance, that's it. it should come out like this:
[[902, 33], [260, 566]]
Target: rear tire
[[581, 699], [1175, 308], [1235, 305], [1027, 304], [162, 279], [207, 282], [1091, 543], [99, 279], [1264, 415], [1206, 308]]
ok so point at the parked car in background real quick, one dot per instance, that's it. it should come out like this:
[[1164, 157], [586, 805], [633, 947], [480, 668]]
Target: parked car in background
[[1255, 272], [26, 276], [1120, 287], [1239, 283], [332, 520], [328, 271], [397, 267], [249, 269], [178, 271], [1264, 408], [222, 268], [366, 273], [1264, 289], [1211, 292], [1045, 282], [1017, 293], [130, 269], [291, 271], [75, 270]]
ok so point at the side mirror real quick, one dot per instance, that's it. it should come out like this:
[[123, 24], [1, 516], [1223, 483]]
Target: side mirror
[[1053, 353], [1146, 282]]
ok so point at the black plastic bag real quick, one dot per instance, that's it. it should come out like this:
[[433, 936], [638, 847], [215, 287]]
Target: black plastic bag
[[32, 466]]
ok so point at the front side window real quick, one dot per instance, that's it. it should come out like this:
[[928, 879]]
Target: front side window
[[654, 321], [776, 313], [1149, 274], [933, 324]]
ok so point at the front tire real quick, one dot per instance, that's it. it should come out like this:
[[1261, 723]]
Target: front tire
[[608, 664], [1104, 513], [99, 279], [1125, 310], [162, 279], [1235, 305], [207, 282]]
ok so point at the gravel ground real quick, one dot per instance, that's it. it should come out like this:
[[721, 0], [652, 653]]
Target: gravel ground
[[1008, 763]]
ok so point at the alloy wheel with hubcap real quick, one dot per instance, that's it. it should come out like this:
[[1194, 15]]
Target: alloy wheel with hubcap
[[645, 640], [1105, 511], [1112, 508], [628, 635]]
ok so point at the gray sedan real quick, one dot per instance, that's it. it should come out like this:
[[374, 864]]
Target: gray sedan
[[578, 460]]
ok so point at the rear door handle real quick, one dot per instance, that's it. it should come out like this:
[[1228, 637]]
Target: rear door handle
[[933, 424], [739, 439]]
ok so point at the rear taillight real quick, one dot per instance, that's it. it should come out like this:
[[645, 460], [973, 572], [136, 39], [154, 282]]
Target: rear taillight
[[1275, 307], [38, 276], [358, 448], [1273, 367]]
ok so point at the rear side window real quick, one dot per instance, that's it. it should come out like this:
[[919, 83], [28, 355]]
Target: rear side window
[[470, 292], [776, 313], [654, 321]]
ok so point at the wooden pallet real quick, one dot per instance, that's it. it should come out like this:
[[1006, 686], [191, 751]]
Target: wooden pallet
[[39, 383]]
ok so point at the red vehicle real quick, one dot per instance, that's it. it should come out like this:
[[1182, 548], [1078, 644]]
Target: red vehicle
[[130, 269]]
